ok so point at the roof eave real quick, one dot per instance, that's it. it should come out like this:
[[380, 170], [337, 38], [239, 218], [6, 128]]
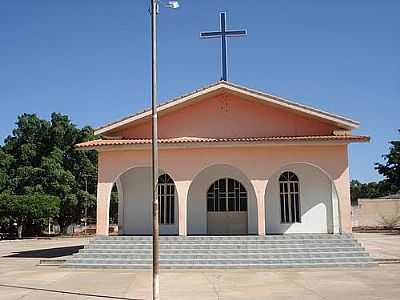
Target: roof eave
[[217, 145]]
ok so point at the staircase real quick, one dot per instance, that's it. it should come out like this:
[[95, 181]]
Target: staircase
[[226, 252]]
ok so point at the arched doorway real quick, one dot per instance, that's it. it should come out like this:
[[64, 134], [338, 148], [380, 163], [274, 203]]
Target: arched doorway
[[301, 198], [135, 203], [224, 180], [226, 207]]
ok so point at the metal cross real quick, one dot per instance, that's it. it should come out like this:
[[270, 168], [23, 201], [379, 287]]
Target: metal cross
[[223, 33]]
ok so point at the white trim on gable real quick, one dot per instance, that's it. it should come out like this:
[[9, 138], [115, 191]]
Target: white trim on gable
[[256, 95]]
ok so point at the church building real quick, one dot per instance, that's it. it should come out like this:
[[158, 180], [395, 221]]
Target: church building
[[233, 161]]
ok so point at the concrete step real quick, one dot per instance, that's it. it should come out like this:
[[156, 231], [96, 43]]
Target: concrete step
[[232, 237], [293, 250], [218, 260], [223, 240], [231, 266], [226, 261], [224, 255], [219, 245], [189, 240]]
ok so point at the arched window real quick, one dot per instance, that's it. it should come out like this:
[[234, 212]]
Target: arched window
[[290, 197], [227, 194], [166, 198]]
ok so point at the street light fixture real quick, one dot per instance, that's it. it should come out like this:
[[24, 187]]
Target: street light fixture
[[173, 4], [154, 9]]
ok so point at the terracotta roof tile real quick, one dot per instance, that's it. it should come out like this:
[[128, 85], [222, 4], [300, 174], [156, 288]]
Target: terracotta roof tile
[[193, 140]]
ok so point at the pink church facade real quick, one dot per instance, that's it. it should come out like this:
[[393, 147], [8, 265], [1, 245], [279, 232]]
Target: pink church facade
[[232, 161]]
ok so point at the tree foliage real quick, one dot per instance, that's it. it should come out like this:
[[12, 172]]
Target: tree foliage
[[390, 169], [39, 158], [367, 190], [23, 208], [114, 205]]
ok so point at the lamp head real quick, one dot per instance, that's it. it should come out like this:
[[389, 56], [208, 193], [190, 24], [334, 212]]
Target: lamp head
[[173, 4]]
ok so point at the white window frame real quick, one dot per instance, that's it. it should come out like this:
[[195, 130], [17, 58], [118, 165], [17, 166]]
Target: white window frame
[[166, 191], [238, 194], [289, 198]]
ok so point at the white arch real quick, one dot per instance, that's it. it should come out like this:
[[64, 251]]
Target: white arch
[[337, 225], [296, 162], [197, 197], [135, 183], [127, 169], [333, 209]]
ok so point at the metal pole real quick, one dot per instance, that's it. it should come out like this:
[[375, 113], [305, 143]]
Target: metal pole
[[223, 46], [86, 203], [154, 151]]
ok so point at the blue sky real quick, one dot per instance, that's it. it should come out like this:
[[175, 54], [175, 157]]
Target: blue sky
[[91, 59]]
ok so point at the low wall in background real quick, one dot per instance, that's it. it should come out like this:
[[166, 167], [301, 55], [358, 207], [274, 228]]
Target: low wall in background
[[376, 213]]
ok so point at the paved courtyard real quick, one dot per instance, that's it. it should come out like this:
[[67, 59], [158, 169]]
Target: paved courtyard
[[22, 278], [381, 246]]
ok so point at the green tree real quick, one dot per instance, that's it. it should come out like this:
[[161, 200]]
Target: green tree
[[114, 204], [6, 161], [39, 158], [390, 169], [390, 184], [25, 209], [367, 190]]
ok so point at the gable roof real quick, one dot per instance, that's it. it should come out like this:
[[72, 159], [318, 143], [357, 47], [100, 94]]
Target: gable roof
[[341, 121]]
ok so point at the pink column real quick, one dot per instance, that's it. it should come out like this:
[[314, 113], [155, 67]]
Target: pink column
[[259, 188], [103, 207], [182, 189], [342, 184]]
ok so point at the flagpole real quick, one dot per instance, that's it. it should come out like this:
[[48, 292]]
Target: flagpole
[[154, 152]]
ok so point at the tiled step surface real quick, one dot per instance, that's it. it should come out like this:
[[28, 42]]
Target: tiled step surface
[[275, 251]]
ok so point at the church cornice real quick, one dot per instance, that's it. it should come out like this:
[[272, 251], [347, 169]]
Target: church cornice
[[186, 142]]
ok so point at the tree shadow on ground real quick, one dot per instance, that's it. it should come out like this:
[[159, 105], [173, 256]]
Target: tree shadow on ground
[[65, 292], [47, 253]]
